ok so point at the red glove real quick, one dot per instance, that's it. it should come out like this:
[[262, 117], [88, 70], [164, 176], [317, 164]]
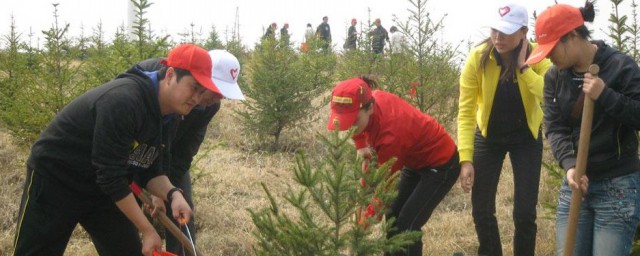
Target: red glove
[[161, 253], [370, 212]]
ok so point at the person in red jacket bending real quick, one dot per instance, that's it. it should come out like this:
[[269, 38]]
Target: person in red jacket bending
[[426, 154]]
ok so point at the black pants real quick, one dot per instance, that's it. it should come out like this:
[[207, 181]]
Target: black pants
[[173, 244], [526, 158], [419, 192], [50, 212]]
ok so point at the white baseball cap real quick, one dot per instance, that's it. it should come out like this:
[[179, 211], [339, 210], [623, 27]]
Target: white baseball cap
[[225, 72], [510, 19]]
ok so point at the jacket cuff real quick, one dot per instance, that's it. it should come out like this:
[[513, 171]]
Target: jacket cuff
[[360, 141], [465, 155], [606, 96], [529, 76], [568, 163]]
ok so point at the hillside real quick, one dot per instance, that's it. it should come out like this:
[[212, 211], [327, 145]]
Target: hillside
[[226, 183]]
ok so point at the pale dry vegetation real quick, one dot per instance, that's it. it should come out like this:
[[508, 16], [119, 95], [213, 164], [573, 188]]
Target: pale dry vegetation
[[227, 182]]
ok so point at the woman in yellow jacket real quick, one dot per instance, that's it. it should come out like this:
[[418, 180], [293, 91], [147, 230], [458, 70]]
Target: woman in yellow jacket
[[499, 113]]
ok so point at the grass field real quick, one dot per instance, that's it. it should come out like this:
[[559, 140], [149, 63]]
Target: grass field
[[226, 183]]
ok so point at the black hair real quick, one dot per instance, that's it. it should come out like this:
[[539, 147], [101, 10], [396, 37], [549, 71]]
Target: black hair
[[588, 14], [393, 29], [180, 73], [373, 84], [509, 70]]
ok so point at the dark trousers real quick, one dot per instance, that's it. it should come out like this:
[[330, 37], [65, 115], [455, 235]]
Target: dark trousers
[[526, 158], [419, 192], [173, 244], [50, 212]]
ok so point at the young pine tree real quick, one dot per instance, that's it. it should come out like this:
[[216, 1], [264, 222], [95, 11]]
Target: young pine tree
[[52, 81], [325, 203], [432, 76], [282, 87], [146, 44], [13, 64]]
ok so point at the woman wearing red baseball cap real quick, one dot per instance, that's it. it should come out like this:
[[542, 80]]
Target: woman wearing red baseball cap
[[425, 153], [610, 209]]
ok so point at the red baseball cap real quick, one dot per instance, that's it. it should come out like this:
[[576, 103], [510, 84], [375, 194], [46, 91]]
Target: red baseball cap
[[194, 59], [555, 22], [347, 99]]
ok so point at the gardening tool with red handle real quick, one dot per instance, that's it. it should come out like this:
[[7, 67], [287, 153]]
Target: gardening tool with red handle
[[166, 222], [581, 167]]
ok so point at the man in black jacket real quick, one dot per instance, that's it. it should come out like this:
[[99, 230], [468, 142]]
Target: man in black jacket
[[323, 32], [80, 168], [379, 36], [186, 134], [352, 36]]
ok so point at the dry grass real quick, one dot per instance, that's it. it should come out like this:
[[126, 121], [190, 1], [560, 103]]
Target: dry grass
[[228, 183]]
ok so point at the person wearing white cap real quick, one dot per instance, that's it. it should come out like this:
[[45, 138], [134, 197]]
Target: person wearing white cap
[[500, 113], [188, 133]]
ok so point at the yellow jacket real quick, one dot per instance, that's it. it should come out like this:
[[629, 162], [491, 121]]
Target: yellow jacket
[[477, 88]]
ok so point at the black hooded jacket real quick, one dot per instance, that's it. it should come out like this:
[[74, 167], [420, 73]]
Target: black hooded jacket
[[613, 150], [99, 140]]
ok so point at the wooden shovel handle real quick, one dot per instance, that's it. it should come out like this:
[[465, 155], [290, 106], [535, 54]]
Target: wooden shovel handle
[[580, 169]]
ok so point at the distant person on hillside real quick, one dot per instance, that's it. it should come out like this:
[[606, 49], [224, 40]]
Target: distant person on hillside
[[80, 168], [379, 37], [499, 113], [426, 155], [610, 208], [309, 34], [271, 32], [187, 133], [397, 40], [284, 34], [323, 32], [352, 36]]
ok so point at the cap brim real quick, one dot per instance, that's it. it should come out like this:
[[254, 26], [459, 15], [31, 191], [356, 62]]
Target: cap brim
[[505, 27], [346, 120], [541, 52], [206, 82], [229, 90]]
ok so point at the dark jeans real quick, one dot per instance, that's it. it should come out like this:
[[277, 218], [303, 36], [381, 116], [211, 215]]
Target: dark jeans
[[173, 244], [49, 213], [419, 192], [526, 158]]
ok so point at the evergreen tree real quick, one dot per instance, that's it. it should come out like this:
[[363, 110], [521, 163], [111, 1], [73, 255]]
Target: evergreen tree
[[634, 30], [213, 41], [426, 74], [13, 64], [281, 88], [326, 204], [435, 71], [146, 43], [190, 35], [52, 81], [102, 65], [618, 30]]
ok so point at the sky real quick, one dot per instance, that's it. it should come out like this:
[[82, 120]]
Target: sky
[[464, 20]]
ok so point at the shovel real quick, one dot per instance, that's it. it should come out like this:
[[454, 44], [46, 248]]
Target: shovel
[[166, 222], [581, 167]]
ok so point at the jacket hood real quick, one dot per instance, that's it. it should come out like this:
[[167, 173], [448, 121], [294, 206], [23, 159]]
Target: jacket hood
[[145, 83], [603, 53]]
